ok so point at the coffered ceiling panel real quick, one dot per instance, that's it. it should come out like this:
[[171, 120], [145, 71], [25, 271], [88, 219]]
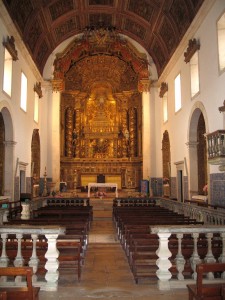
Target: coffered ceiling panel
[[157, 25]]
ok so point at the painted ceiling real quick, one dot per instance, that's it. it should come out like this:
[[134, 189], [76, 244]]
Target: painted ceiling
[[157, 25]]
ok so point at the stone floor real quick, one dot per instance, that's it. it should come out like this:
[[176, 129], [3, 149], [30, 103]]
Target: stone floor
[[106, 274]]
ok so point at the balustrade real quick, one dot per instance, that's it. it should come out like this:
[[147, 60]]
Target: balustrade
[[212, 234], [20, 234], [216, 146], [201, 214]]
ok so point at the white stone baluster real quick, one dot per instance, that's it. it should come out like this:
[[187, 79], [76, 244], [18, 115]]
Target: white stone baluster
[[209, 256], [19, 261], [34, 261], [180, 261], [163, 261], [195, 259], [52, 263], [4, 260], [222, 256]]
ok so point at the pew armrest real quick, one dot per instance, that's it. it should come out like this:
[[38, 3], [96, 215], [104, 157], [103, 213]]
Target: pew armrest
[[201, 290], [26, 292]]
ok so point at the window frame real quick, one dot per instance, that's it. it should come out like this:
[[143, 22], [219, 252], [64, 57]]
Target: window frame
[[23, 92], [7, 74], [177, 109]]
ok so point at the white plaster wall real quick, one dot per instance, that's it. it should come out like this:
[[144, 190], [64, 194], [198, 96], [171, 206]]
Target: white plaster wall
[[23, 123], [212, 89]]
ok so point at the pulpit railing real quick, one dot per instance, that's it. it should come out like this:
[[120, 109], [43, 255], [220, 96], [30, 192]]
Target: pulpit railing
[[216, 144], [16, 241]]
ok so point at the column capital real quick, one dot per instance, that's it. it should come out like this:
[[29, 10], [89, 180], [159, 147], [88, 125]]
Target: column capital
[[9, 143], [192, 144], [144, 85], [57, 85]]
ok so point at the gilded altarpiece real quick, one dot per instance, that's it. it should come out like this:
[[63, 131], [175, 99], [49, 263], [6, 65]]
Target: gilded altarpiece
[[100, 134], [101, 78]]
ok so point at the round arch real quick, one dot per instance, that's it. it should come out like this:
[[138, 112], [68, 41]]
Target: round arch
[[196, 144], [8, 175]]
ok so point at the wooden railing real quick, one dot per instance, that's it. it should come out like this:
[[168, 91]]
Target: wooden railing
[[17, 235]]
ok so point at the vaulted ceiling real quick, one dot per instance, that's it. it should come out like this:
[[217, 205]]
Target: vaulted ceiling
[[157, 25]]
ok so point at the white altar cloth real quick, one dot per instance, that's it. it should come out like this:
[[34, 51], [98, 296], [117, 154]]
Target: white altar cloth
[[200, 198], [105, 185]]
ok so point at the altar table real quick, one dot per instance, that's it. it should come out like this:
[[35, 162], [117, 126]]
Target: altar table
[[105, 185]]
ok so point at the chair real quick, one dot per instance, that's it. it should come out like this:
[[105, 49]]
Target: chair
[[201, 291], [19, 293]]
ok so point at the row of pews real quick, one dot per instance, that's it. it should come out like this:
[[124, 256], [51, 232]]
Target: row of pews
[[72, 245], [133, 225]]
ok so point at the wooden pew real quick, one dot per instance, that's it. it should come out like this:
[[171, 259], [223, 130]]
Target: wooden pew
[[70, 252], [20, 293], [133, 228], [3, 295], [202, 291]]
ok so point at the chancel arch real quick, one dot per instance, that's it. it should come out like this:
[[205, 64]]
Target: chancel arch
[[101, 79]]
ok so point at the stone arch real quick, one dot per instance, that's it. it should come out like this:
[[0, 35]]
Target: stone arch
[[7, 151], [35, 161], [198, 171]]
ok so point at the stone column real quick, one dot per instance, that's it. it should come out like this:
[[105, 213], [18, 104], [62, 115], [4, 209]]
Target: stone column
[[192, 165], [10, 168], [57, 87]]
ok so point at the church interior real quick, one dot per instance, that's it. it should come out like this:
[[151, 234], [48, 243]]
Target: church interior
[[111, 113]]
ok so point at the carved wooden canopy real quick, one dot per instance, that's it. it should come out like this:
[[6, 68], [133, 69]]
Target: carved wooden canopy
[[156, 25], [101, 56]]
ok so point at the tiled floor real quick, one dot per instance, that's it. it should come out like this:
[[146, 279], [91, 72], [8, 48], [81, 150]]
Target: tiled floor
[[106, 274]]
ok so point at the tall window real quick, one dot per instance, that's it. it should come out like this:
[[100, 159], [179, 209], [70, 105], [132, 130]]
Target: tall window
[[23, 95], [165, 107], [177, 88], [194, 74], [36, 107], [7, 76], [221, 41]]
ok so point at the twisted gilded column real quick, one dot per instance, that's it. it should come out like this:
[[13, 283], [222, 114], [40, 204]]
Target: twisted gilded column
[[69, 132], [133, 132]]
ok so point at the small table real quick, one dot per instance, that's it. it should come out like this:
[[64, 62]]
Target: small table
[[93, 184], [200, 198]]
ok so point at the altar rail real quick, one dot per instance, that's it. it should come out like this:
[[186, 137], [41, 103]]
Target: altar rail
[[68, 201], [212, 234], [209, 216], [50, 233], [136, 201]]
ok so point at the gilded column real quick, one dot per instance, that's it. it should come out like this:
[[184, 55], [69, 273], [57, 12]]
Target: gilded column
[[124, 130], [69, 132], [133, 132]]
